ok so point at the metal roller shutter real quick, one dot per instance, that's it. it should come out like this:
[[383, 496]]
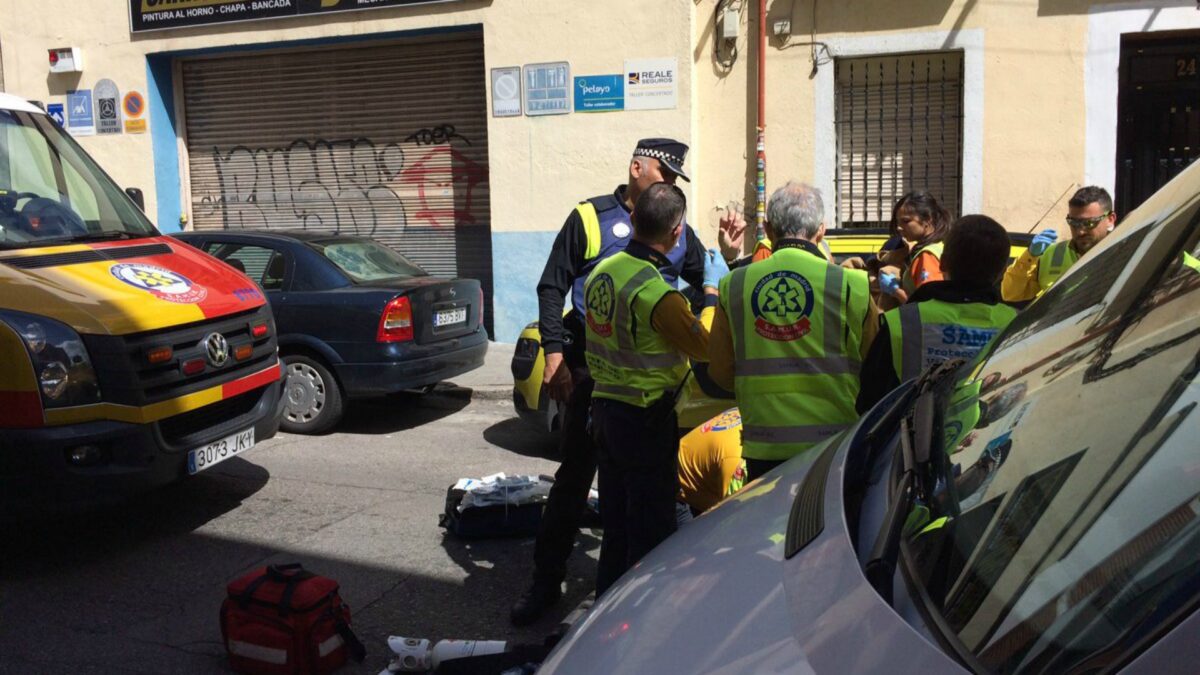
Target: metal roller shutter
[[382, 140]]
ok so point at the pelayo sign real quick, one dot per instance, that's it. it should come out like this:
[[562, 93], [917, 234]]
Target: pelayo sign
[[597, 93], [146, 15]]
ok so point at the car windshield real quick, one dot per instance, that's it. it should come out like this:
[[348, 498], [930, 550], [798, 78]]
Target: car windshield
[[52, 192], [364, 260], [1069, 535]]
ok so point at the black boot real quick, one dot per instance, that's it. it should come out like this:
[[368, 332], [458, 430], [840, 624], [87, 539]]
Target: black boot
[[534, 602]]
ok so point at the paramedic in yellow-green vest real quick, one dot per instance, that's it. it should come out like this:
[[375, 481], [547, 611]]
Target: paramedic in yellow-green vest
[[640, 334], [596, 229], [789, 335], [953, 318], [1090, 216]]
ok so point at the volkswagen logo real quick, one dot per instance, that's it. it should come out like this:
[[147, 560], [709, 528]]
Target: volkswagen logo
[[216, 348]]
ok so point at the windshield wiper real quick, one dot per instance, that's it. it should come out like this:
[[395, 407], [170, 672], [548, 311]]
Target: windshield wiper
[[93, 236], [916, 481]]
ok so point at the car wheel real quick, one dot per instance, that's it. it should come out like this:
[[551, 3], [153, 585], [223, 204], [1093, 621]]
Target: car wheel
[[312, 398]]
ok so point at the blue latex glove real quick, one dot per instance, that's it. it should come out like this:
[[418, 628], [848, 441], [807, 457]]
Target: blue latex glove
[[1041, 242], [889, 283], [715, 268]]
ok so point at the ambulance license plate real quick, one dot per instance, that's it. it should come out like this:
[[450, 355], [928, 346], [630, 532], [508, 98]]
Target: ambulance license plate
[[449, 317], [219, 451]]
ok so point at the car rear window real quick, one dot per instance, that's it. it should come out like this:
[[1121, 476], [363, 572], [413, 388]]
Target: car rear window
[[364, 260]]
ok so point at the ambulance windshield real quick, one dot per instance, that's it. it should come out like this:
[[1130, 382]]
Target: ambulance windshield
[[52, 192]]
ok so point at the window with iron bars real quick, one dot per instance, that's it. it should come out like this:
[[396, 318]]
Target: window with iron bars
[[899, 122]]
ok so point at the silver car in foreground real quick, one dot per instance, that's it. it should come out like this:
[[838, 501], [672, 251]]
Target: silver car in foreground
[[1035, 511]]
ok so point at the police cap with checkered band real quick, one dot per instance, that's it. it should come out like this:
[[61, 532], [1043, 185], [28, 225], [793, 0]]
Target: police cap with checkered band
[[668, 151]]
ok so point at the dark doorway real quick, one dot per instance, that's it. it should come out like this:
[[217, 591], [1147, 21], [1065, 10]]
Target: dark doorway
[[1158, 112]]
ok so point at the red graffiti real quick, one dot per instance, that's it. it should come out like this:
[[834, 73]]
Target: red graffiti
[[445, 181]]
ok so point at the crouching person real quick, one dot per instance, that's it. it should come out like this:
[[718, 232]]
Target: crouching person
[[942, 320]]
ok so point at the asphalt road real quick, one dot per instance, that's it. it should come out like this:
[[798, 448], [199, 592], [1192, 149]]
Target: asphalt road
[[136, 588]]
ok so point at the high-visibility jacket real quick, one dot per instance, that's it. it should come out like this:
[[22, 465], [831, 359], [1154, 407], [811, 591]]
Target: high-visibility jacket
[[935, 249], [1054, 262], [607, 229], [797, 323], [629, 361], [762, 249], [929, 332]]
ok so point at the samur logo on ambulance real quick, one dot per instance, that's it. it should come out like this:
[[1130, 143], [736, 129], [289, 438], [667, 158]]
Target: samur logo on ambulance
[[160, 282]]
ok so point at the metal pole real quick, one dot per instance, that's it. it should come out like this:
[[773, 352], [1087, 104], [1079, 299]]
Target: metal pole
[[760, 210]]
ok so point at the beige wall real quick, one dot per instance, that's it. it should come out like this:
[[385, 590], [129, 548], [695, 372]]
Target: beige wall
[[1032, 137], [540, 166], [1033, 110]]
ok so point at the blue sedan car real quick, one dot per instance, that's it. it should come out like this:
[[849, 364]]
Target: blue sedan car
[[355, 318]]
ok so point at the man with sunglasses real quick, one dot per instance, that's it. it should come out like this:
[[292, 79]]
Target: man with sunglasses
[[1090, 216]]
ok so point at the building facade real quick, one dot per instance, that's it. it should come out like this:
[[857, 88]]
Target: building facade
[[463, 132]]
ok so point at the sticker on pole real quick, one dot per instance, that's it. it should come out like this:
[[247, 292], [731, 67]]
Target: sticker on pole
[[108, 110]]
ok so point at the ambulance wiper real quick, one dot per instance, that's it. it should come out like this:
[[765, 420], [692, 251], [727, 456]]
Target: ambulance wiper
[[101, 236], [916, 479]]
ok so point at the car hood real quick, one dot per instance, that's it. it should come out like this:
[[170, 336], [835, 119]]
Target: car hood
[[719, 597], [123, 287]]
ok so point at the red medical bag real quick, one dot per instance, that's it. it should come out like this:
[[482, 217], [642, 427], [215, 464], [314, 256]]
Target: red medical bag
[[285, 620]]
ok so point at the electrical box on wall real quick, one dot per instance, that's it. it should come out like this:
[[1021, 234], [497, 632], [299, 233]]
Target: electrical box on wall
[[66, 60], [783, 28], [729, 24]]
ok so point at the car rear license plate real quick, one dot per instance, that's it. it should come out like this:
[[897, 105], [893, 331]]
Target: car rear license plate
[[219, 451], [449, 317]]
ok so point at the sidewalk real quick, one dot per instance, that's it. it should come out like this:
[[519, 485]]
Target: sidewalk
[[493, 380]]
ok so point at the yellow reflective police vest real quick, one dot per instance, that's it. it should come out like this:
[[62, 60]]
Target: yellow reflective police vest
[[1054, 262], [796, 322], [629, 361], [926, 333], [906, 280]]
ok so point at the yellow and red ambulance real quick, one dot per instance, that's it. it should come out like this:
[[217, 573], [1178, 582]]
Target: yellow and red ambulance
[[127, 359]]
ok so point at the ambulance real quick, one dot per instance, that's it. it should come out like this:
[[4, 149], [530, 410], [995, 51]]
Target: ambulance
[[127, 359]]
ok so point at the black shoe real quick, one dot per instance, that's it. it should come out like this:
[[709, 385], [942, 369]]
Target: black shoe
[[533, 603]]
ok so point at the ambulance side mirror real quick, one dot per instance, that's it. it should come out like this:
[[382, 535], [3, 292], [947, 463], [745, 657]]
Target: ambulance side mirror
[[136, 195]]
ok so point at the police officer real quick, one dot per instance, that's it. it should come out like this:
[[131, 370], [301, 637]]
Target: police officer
[[596, 229], [1090, 216], [954, 318], [640, 334], [789, 335]]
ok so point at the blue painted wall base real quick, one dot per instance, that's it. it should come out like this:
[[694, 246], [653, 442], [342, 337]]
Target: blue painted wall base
[[517, 262]]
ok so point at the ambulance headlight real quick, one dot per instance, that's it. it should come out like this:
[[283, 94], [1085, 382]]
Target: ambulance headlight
[[61, 364]]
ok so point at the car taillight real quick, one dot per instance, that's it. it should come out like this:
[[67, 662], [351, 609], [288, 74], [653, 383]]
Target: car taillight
[[396, 324], [481, 306]]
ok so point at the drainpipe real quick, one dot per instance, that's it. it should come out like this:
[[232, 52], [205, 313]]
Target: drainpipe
[[760, 210]]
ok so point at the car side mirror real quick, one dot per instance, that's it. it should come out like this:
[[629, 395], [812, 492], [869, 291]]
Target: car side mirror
[[136, 195]]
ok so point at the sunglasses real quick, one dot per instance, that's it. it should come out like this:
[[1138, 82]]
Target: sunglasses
[[1087, 223]]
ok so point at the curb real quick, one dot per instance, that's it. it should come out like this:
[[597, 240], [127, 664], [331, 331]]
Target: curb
[[482, 392], [491, 392]]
